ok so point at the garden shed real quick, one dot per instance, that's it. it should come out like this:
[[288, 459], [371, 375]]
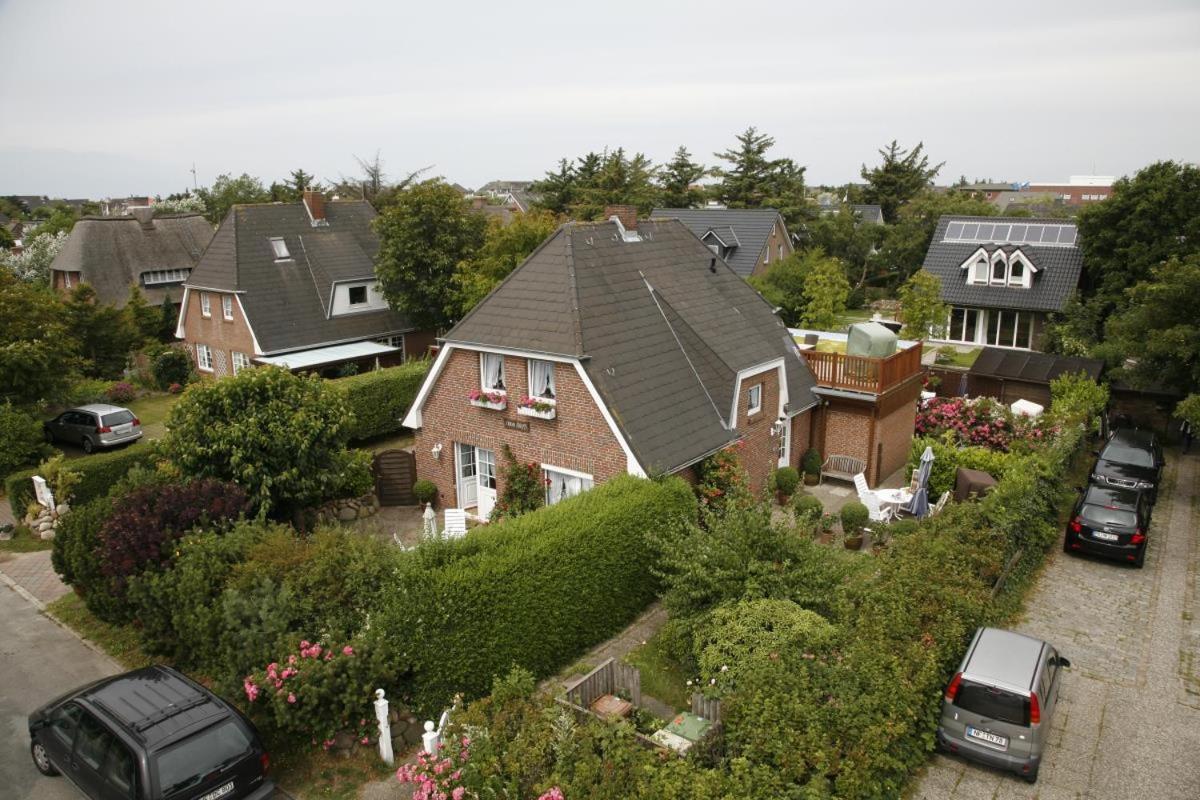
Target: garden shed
[[1011, 375]]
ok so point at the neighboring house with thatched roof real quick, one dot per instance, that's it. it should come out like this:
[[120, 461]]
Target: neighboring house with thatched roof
[[114, 254]]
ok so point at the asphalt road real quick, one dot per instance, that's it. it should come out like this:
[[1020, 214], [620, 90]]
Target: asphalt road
[[38, 661]]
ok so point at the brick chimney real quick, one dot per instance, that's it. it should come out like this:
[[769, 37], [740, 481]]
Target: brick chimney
[[315, 202], [626, 214], [144, 215]]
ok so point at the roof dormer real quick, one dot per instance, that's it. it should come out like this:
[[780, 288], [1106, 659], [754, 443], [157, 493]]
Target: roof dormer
[[1000, 267]]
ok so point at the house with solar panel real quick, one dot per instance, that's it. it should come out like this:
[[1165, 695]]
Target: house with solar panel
[[1002, 277], [293, 285], [749, 240]]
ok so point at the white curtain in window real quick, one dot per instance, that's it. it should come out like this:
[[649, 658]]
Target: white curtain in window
[[493, 371], [541, 379], [560, 486]]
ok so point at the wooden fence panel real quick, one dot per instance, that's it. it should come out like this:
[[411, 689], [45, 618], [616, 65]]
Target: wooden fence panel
[[395, 473]]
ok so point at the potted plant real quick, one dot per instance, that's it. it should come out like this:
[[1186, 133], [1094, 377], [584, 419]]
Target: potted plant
[[825, 528], [496, 401], [807, 508], [536, 407], [854, 517], [425, 491], [812, 466], [785, 479]]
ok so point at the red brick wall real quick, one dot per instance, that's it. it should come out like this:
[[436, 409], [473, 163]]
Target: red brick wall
[[776, 239], [58, 279], [578, 438], [760, 451], [221, 335], [801, 436], [894, 433], [847, 430]]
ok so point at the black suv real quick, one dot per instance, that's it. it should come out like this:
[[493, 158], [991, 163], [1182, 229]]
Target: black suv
[[1131, 459], [1110, 521], [151, 734]]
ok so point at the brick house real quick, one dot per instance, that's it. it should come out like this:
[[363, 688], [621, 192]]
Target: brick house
[[114, 254], [1002, 276], [748, 239], [616, 347], [293, 284]]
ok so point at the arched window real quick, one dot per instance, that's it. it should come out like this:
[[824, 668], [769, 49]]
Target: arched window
[[999, 267], [1016, 272], [980, 270]]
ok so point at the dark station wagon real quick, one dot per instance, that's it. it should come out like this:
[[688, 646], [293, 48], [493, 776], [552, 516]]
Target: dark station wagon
[[1111, 522], [151, 734], [1130, 459]]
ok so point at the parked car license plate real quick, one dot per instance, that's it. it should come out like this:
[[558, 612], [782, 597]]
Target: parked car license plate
[[220, 791], [990, 738], [123, 428], [1106, 537]]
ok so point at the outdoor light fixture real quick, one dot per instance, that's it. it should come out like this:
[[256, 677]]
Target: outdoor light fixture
[[437, 451], [777, 428]]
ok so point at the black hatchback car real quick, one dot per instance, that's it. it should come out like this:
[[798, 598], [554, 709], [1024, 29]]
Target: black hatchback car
[[151, 734], [1130, 459], [1110, 521]]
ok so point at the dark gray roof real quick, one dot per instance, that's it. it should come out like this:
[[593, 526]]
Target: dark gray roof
[[1058, 270], [287, 302], [1021, 365], [752, 226], [111, 253], [869, 213], [659, 332]]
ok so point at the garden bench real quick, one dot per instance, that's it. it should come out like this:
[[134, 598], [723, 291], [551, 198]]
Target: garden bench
[[842, 467], [456, 523]]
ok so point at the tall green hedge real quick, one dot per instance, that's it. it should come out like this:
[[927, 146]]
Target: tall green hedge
[[381, 398], [535, 591], [98, 473]]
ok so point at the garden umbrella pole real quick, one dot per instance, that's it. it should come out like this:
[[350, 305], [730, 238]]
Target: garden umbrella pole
[[919, 505]]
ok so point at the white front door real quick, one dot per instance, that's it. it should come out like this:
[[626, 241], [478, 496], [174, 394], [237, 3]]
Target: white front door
[[465, 469], [486, 460], [785, 443]]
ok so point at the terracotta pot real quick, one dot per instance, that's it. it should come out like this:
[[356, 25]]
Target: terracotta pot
[[825, 537], [781, 498]]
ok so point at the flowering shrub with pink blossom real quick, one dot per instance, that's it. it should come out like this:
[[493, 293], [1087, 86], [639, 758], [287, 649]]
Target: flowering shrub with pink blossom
[[976, 422], [120, 392], [440, 775], [480, 396], [315, 693]]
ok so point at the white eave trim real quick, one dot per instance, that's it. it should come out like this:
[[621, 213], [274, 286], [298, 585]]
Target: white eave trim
[[246, 317], [776, 364]]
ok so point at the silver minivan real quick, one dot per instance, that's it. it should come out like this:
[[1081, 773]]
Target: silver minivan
[[997, 708]]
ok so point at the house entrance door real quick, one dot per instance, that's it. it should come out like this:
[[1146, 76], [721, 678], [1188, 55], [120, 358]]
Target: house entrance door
[[465, 469], [487, 481]]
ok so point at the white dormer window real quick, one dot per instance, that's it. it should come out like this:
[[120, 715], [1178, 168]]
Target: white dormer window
[[979, 272], [279, 246], [754, 400], [358, 295], [1016, 272], [999, 268]]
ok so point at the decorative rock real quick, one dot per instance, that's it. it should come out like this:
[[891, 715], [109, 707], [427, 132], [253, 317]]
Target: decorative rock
[[63, 508], [412, 734], [347, 514]]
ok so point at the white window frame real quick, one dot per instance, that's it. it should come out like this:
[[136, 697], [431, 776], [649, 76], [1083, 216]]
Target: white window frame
[[280, 249], [589, 481], [366, 295], [67, 280], [157, 276], [754, 399], [780, 253], [240, 362], [227, 307], [204, 359], [396, 341], [1000, 258], [529, 362], [205, 305], [483, 372], [986, 265]]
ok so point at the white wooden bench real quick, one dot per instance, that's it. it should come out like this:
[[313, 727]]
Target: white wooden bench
[[456, 523], [842, 467]]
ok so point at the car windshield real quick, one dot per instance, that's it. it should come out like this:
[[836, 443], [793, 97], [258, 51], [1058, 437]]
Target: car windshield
[[198, 756], [992, 703], [118, 418], [1122, 454], [1101, 516]]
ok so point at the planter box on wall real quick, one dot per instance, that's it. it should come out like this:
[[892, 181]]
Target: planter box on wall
[[549, 413], [481, 403]]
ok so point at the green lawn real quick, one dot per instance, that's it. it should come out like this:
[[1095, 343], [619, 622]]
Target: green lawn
[[662, 677], [850, 316], [152, 409], [23, 540], [957, 358]]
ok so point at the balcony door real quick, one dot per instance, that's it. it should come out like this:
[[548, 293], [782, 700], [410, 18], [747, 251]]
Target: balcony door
[[475, 469]]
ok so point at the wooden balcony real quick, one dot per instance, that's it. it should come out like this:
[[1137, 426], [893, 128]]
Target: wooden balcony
[[862, 373]]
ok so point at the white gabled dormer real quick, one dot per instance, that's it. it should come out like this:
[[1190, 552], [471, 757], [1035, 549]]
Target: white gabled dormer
[[1013, 269], [353, 297]]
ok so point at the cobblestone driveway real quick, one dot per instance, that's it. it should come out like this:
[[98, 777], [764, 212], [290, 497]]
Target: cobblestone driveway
[[1128, 724]]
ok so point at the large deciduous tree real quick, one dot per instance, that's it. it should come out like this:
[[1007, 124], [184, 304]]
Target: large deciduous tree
[[846, 237], [677, 181], [37, 356], [921, 306], [228, 191], [424, 234], [1156, 338], [504, 247], [808, 287], [279, 436], [32, 264], [900, 176]]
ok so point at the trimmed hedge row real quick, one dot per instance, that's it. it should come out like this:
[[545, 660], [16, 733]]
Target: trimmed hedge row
[[534, 591], [98, 473], [380, 399]]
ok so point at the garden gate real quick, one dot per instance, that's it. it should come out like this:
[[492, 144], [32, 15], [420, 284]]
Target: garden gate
[[395, 472]]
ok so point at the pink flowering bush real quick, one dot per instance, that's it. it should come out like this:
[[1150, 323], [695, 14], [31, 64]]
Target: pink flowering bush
[[972, 422], [315, 693], [535, 404], [175, 388], [120, 392], [440, 775]]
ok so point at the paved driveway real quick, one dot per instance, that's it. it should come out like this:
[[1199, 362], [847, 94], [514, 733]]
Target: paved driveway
[[1128, 724], [38, 661]]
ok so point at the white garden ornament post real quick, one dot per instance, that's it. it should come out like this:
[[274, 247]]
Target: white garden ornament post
[[428, 522], [385, 728]]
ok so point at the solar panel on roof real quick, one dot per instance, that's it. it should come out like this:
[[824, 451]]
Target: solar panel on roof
[[1000, 233], [1033, 234], [1017, 233], [1006, 233], [985, 232], [1068, 235], [1050, 234], [954, 231], [970, 230]]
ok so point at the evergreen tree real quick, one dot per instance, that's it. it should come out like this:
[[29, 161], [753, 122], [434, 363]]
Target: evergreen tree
[[103, 333], [556, 191], [753, 180], [677, 181], [901, 176]]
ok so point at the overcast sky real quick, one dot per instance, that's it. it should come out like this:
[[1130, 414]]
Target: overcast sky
[[120, 98]]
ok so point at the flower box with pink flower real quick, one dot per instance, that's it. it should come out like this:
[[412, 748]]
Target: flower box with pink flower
[[496, 401], [542, 408]]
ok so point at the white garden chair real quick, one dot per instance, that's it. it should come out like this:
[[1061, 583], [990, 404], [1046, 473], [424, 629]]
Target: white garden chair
[[878, 511], [940, 504], [456, 523]]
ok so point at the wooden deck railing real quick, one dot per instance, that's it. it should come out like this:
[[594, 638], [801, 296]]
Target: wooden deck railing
[[863, 373]]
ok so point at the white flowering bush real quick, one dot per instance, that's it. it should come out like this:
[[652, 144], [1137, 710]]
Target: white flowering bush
[[181, 205], [32, 265]]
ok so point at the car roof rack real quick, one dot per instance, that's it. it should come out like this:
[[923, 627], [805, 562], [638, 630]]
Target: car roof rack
[[141, 724]]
